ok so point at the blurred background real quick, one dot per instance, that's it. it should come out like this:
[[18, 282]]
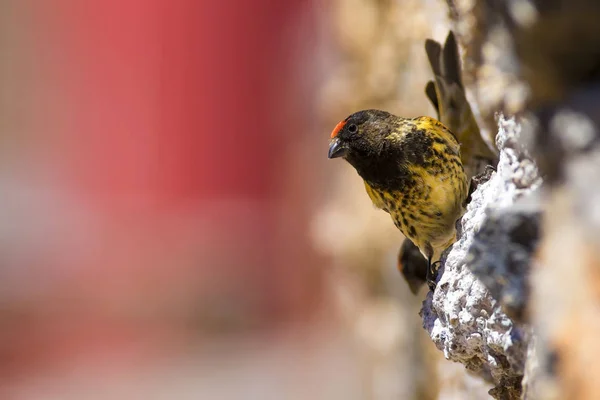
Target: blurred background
[[171, 226]]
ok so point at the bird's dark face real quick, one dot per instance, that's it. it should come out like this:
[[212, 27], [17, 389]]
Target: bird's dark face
[[361, 137], [371, 141]]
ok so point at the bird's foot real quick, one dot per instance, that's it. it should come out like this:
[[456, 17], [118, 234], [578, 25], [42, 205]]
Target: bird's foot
[[432, 273]]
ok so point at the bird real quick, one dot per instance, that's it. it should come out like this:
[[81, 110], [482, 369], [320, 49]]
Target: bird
[[412, 169]]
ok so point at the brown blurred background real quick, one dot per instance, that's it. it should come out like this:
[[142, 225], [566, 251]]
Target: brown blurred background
[[171, 226]]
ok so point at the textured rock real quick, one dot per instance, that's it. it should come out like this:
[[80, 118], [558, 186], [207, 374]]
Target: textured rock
[[500, 256], [465, 316]]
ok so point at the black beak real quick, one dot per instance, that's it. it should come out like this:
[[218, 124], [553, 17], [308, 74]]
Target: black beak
[[337, 149]]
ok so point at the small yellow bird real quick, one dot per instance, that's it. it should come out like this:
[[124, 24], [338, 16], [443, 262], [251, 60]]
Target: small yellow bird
[[412, 169]]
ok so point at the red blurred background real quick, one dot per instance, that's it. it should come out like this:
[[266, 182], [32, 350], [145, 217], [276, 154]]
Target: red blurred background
[[148, 148]]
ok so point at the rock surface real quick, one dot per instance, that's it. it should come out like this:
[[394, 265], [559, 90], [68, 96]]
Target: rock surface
[[468, 318]]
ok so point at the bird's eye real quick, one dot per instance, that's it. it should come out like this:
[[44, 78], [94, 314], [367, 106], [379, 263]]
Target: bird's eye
[[352, 128]]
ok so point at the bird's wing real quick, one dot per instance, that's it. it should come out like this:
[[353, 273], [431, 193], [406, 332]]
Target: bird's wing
[[447, 94], [436, 128]]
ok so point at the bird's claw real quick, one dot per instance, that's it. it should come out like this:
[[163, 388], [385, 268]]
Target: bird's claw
[[432, 285], [432, 275]]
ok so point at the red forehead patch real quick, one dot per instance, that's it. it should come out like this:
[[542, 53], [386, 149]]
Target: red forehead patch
[[337, 129]]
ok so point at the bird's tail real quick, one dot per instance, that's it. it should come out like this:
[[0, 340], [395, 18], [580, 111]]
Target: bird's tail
[[447, 94]]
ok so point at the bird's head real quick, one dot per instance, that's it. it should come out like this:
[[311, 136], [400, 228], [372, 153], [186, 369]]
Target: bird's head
[[363, 137]]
